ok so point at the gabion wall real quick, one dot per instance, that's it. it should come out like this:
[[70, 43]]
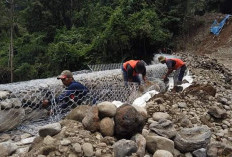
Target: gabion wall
[[21, 103]]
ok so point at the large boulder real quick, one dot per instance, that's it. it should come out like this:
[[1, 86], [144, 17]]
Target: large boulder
[[91, 121], [78, 113], [141, 144], [155, 143], [9, 119], [163, 128], [124, 148], [107, 126], [50, 129], [191, 139], [7, 148], [128, 121], [106, 109]]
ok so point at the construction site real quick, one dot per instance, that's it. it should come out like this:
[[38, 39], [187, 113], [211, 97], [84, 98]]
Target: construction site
[[136, 121]]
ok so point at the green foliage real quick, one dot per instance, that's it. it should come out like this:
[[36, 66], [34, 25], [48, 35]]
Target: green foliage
[[50, 36], [25, 72]]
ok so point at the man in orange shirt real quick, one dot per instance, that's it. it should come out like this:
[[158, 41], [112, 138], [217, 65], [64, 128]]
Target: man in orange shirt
[[131, 70], [174, 64]]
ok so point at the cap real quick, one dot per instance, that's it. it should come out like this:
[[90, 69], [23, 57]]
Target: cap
[[161, 58], [65, 74]]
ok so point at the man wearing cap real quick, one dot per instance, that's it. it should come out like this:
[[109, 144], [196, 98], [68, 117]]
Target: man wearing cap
[[131, 70], [73, 93], [174, 64]]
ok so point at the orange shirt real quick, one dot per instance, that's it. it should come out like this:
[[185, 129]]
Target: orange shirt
[[132, 63], [179, 63]]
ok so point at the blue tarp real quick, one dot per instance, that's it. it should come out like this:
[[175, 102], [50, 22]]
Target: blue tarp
[[217, 27]]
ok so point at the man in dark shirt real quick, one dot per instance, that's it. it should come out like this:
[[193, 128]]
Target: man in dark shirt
[[174, 64], [72, 95], [131, 70]]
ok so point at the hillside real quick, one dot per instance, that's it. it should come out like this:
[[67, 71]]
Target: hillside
[[196, 122]]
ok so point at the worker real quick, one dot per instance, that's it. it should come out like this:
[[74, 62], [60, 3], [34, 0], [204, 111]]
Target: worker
[[72, 95], [174, 64], [131, 70]]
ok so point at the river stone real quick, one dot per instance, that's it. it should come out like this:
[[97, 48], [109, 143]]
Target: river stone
[[50, 129], [88, 149], [191, 139], [155, 143], [128, 121], [163, 128], [107, 126], [141, 144], [160, 115], [162, 153], [4, 94], [4, 137], [200, 153], [48, 140], [219, 149], [7, 148], [91, 120], [106, 109], [78, 113], [77, 147], [9, 119], [216, 112], [124, 148]]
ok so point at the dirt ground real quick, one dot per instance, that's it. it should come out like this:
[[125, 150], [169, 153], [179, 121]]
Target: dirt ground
[[216, 47]]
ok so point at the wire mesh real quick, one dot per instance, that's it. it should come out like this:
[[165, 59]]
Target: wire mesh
[[21, 103], [102, 67]]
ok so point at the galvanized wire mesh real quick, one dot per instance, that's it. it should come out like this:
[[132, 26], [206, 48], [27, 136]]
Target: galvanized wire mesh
[[102, 67], [21, 103]]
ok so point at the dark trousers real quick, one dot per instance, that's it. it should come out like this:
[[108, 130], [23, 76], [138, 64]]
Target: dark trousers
[[178, 75], [134, 78]]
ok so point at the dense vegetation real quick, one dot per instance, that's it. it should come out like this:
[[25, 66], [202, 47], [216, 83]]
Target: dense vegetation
[[50, 36]]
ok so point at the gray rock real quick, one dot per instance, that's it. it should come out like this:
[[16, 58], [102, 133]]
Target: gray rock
[[7, 148], [182, 105], [217, 112], [191, 139], [50, 129], [65, 142], [22, 150], [219, 149], [77, 147], [91, 121], [141, 144], [4, 94], [163, 128], [78, 113], [9, 119], [4, 137], [88, 149], [160, 115], [48, 140], [106, 109], [124, 148], [162, 153], [157, 142], [200, 153]]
